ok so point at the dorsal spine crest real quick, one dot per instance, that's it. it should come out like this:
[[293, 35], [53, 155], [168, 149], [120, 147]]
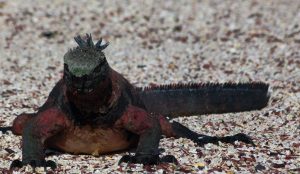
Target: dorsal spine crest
[[88, 43]]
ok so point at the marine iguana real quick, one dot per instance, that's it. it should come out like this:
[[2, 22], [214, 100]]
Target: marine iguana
[[95, 110]]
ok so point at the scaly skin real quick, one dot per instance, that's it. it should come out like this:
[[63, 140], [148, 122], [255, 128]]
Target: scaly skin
[[95, 110]]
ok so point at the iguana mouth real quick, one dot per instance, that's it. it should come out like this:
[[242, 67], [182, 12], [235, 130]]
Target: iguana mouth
[[83, 88]]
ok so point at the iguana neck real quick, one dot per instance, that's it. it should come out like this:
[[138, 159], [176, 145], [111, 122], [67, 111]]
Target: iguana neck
[[96, 101]]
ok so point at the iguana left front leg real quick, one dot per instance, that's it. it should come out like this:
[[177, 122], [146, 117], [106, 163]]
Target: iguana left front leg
[[147, 126]]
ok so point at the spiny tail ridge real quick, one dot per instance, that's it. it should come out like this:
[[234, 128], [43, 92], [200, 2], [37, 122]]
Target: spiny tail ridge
[[204, 98]]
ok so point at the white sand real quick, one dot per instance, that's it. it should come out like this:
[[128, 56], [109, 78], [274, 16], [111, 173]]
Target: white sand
[[174, 41]]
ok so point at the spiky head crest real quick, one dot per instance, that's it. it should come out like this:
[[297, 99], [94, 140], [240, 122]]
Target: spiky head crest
[[84, 58]]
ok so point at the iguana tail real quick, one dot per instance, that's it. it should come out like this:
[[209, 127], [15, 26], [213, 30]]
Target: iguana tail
[[194, 99]]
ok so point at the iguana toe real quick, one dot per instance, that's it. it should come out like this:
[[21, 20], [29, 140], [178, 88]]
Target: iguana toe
[[16, 164]]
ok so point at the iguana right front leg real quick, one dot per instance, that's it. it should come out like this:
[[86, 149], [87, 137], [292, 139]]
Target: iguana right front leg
[[46, 124], [18, 124]]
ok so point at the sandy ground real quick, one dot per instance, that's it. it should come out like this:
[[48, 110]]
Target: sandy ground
[[164, 42]]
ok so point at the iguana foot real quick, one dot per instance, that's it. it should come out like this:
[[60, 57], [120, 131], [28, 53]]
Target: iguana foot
[[33, 164], [204, 139], [148, 159]]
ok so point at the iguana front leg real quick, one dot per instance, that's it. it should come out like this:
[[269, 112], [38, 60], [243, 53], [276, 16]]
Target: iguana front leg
[[147, 126], [46, 124], [18, 124]]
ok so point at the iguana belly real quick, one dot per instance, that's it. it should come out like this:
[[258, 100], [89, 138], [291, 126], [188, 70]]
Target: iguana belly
[[88, 140]]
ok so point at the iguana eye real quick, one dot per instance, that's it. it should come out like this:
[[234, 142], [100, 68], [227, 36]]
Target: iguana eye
[[97, 69]]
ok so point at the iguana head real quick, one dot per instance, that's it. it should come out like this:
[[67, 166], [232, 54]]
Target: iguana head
[[85, 66]]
